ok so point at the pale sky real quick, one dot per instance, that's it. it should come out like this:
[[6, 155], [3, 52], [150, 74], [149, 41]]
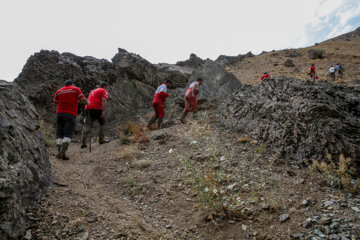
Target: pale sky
[[166, 30]]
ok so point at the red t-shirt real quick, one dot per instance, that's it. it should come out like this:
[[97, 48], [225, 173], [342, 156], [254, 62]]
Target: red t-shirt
[[313, 69], [67, 99], [265, 76], [95, 98], [161, 94]]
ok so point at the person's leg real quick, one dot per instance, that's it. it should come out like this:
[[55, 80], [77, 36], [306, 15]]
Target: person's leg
[[161, 114], [85, 130], [186, 110], [69, 128], [59, 133], [102, 139], [194, 107], [156, 115], [313, 77]]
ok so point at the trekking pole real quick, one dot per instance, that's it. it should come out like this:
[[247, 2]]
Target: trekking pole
[[89, 131]]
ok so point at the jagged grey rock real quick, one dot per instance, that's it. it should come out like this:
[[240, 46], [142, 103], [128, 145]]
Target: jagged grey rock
[[46, 71], [193, 62], [228, 60], [25, 171], [298, 119]]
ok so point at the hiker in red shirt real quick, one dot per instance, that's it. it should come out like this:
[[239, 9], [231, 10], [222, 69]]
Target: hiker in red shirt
[[95, 111], [66, 99], [266, 76], [191, 99], [313, 74], [159, 103]]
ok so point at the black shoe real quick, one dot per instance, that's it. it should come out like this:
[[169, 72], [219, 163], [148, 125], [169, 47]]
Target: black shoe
[[64, 157], [104, 141], [83, 146]]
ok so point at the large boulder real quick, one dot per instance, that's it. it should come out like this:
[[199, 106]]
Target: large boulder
[[217, 82], [46, 71], [228, 60], [25, 171], [136, 67], [298, 119], [193, 62], [178, 75]]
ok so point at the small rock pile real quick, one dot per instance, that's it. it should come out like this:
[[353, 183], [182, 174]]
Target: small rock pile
[[298, 119]]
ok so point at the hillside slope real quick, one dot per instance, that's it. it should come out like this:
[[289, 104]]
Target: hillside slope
[[344, 49]]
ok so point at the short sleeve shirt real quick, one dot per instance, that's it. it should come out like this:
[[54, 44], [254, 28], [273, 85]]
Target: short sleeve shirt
[[67, 99], [95, 98]]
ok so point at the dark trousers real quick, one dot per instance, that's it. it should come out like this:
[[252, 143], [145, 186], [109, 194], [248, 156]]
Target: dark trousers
[[92, 115], [65, 125]]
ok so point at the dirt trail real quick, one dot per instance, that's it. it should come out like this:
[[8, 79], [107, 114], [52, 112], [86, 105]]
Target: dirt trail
[[141, 191]]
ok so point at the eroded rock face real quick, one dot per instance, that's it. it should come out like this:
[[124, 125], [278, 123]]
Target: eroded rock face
[[193, 62], [228, 60], [46, 71], [25, 171], [218, 83], [298, 119]]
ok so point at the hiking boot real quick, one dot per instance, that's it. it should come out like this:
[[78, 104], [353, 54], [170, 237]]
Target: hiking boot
[[182, 118], [102, 139], [58, 154], [64, 148], [83, 146], [151, 122], [160, 120]]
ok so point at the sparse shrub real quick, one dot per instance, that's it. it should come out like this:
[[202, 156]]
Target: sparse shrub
[[47, 133], [260, 149], [137, 131], [316, 53], [339, 174], [144, 164], [127, 151]]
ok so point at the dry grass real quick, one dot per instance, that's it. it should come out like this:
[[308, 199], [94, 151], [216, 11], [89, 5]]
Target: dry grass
[[251, 69]]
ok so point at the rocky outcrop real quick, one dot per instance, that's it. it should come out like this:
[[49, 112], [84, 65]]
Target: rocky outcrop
[[178, 75], [136, 67], [217, 82], [228, 60], [46, 71], [25, 170], [298, 119], [193, 62]]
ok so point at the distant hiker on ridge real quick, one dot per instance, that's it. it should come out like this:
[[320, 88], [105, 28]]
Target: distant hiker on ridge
[[311, 71], [332, 72], [191, 99], [95, 111], [159, 103], [66, 99], [266, 76], [340, 69]]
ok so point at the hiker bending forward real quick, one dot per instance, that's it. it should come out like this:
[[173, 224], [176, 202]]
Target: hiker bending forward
[[66, 99], [191, 99], [95, 111], [159, 103], [313, 74]]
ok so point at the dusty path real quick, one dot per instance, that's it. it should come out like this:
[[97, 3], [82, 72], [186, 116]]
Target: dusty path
[[141, 191]]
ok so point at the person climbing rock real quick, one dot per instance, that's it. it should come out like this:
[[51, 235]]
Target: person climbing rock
[[312, 72], [95, 111], [191, 99], [266, 76], [66, 99], [159, 103], [340, 69], [332, 72]]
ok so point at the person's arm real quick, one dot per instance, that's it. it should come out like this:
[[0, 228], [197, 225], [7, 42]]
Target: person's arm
[[56, 98], [103, 104], [193, 90], [84, 100]]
